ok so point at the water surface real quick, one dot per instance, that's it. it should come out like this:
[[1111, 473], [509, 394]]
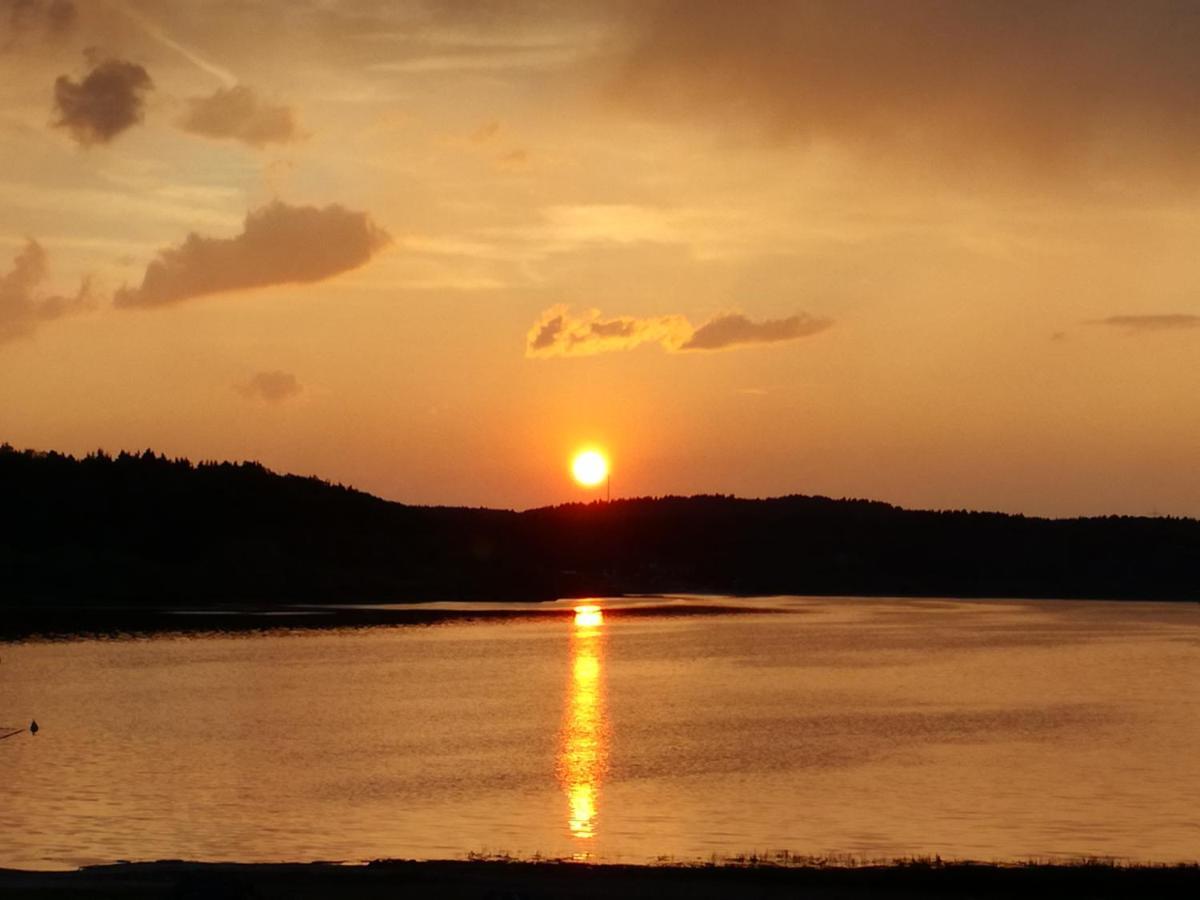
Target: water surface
[[875, 728]]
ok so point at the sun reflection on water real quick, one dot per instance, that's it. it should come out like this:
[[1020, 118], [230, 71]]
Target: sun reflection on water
[[583, 749]]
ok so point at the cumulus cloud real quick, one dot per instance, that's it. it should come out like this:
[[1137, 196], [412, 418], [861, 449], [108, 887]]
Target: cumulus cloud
[[274, 386], [1141, 324], [238, 113], [279, 244], [971, 82], [106, 102], [23, 303], [560, 333]]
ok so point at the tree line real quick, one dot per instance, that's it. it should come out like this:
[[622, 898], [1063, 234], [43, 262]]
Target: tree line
[[142, 529]]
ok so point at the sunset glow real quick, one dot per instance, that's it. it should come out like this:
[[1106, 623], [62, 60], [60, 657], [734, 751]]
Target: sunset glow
[[213, 273], [688, 437], [590, 468]]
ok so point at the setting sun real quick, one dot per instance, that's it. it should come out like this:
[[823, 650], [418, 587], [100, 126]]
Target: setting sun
[[590, 468], [589, 616]]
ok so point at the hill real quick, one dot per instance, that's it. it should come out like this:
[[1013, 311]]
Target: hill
[[140, 529]]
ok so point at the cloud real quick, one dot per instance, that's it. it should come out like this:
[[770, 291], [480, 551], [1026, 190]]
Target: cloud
[[279, 244], [23, 305], [735, 330], [161, 36], [106, 102], [513, 160], [1142, 324], [270, 387], [238, 113], [559, 333], [50, 18], [485, 132], [975, 83]]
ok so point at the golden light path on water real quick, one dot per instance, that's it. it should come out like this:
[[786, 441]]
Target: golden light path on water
[[583, 749]]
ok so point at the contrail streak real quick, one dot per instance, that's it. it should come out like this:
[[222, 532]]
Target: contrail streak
[[224, 75]]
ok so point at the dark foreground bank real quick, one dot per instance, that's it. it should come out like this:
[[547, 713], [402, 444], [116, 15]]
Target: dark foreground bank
[[141, 530], [496, 880]]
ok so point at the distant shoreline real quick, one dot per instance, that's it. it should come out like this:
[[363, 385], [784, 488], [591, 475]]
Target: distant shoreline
[[494, 879], [67, 622]]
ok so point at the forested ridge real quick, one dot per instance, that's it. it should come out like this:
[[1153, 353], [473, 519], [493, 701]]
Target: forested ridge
[[141, 529]]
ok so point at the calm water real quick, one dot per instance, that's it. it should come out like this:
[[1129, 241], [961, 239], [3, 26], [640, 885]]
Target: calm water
[[869, 727]]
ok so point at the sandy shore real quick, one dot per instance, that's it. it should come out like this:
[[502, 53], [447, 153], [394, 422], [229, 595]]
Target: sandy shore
[[512, 880]]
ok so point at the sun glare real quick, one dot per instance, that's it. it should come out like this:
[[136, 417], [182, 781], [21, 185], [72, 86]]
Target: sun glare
[[589, 616], [590, 468]]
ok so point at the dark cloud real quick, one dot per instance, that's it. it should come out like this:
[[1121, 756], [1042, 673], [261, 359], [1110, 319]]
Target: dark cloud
[[734, 329], [1140, 324], [979, 83], [271, 387], [545, 333], [23, 304], [106, 102], [240, 114], [46, 18], [560, 333], [280, 244]]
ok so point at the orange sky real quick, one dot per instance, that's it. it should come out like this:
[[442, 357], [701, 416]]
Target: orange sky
[[936, 253]]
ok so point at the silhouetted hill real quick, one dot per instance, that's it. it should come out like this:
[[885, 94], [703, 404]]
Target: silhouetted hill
[[142, 529]]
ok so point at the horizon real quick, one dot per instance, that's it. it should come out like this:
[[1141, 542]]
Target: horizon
[[434, 249]]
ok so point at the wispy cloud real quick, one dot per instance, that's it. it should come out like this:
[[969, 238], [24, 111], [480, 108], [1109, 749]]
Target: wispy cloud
[[273, 387], [24, 305], [735, 330], [476, 61], [219, 72], [238, 113], [1143, 324], [560, 333], [47, 18], [279, 244], [1060, 87]]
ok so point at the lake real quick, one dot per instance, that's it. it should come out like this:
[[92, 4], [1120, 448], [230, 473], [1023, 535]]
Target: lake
[[873, 728]]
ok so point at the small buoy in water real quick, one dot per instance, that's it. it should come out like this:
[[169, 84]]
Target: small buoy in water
[[33, 727]]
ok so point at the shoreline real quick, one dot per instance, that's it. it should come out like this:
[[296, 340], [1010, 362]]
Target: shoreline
[[67, 623], [499, 878], [54, 622]]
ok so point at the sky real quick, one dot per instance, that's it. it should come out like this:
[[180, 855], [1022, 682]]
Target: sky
[[941, 253]]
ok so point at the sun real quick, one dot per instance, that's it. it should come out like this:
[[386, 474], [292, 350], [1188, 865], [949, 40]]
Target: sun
[[588, 617], [590, 468]]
